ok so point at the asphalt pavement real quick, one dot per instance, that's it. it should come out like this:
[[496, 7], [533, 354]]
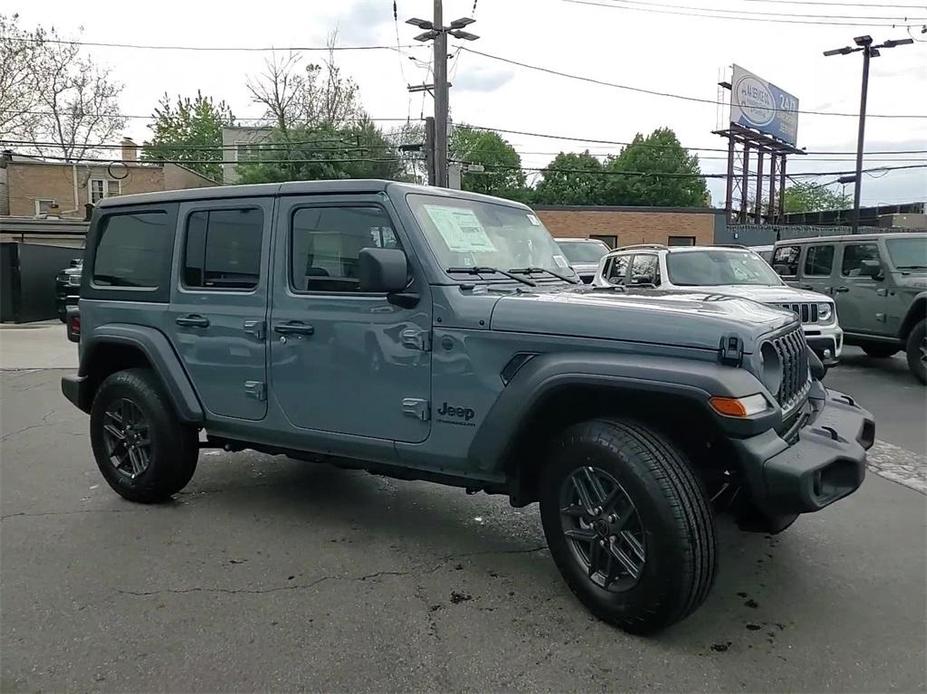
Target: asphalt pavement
[[271, 574]]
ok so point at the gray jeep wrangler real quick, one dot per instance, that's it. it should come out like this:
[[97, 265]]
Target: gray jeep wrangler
[[429, 334]]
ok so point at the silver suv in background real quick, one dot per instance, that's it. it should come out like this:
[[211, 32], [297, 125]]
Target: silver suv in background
[[879, 282], [731, 271], [583, 255]]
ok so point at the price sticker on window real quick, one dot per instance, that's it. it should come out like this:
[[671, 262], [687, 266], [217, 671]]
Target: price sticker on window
[[460, 229]]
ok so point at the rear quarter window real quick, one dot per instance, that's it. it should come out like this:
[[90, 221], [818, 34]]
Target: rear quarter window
[[131, 254]]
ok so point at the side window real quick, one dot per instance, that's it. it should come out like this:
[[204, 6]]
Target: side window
[[819, 260], [133, 250], [325, 243], [859, 259], [223, 249], [645, 269], [617, 270], [785, 260]]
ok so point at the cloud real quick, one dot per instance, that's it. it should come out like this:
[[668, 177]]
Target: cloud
[[364, 22], [480, 79]]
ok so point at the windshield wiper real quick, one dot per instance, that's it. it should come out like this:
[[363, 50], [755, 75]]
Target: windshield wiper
[[486, 270], [529, 270]]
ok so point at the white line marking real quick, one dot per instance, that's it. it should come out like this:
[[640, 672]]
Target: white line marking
[[899, 465]]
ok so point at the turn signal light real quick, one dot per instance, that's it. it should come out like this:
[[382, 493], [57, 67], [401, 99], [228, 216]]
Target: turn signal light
[[739, 407]]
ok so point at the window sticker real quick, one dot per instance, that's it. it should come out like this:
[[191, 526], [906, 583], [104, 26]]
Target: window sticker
[[460, 229], [534, 220], [561, 261]]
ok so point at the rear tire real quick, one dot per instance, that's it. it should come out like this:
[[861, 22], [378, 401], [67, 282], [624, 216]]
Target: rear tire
[[916, 351], [880, 351], [664, 524], [143, 451]]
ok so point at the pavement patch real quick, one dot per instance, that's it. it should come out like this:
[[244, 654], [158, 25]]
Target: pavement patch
[[898, 465]]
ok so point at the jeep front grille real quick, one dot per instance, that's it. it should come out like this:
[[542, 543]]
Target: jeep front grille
[[796, 379], [807, 313]]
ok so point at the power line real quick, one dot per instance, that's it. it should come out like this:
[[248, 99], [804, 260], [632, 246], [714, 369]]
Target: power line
[[759, 13], [129, 116], [225, 49], [187, 162], [653, 92], [839, 3], [678, 174], [570, 138], [683, 13]]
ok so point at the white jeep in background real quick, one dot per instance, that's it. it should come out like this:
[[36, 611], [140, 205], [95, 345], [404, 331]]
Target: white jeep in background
[[728, 270]]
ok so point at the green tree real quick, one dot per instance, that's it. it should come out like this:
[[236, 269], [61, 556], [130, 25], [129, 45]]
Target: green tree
[[572, 179], [671, 176], [190, 131], [811, 197], [502, 174], [360, 150]]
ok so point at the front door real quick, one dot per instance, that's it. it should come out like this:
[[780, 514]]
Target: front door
[[860, 297], [218, 314], [342, 360]]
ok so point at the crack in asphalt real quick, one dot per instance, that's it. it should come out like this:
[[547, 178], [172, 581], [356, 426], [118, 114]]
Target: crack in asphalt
[[39, 514], [43, 422], [305, 586]]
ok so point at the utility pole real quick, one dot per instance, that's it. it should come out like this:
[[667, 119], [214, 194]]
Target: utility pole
[[864, 45], [437, 32]]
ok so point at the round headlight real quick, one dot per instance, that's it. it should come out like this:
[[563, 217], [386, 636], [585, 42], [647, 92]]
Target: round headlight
[[825, 311], [771, 374]]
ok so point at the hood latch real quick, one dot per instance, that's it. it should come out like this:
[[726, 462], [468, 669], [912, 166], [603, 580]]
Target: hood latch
[[731, 351]]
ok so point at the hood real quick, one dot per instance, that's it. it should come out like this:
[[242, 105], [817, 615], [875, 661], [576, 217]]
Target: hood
[[767, 294], [684, 319]]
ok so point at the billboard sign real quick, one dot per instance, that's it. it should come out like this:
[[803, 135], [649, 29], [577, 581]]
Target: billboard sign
[[761, 105]]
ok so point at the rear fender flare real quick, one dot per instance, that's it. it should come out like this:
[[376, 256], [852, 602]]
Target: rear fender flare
[[159, 353]]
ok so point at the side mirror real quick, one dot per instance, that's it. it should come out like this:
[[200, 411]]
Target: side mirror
[[382, 270], [872, 269]]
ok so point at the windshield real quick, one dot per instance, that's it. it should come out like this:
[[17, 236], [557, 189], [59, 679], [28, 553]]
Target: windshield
[[908, 254], [583, 251], [716, 267], [469, 233]]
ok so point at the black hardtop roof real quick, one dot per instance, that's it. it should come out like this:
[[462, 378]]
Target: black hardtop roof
[[336, 187], [851, 237]]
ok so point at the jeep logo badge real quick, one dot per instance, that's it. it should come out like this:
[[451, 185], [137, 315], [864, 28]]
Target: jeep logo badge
[[460, 413]]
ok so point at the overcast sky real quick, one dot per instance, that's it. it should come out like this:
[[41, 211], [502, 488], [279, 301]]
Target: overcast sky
[[656, 50]]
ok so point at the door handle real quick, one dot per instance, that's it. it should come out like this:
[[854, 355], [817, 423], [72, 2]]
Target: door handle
[[841, 290], [193, 321], [294, 328]]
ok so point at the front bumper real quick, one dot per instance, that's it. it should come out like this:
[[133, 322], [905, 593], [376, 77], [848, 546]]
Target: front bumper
[[825, 461], [827, 342]]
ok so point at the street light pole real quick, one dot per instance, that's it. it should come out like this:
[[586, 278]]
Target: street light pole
[[864, 45], [437, 32], [442, 98]]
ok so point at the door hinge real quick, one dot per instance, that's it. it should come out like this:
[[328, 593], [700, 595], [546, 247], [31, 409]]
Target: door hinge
[[416, 407], [255, 327], [256, 390], [415, 338]]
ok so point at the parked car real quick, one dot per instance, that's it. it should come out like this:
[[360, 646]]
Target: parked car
[[626, 414], [67, 288], [879, 282], [732, 271], [583, 255]]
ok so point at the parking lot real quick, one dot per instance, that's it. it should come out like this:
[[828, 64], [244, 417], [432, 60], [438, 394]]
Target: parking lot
[[271, 574]]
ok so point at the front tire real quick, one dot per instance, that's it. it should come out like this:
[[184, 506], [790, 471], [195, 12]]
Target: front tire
[[143, 451], [628, 524], [916, 350]]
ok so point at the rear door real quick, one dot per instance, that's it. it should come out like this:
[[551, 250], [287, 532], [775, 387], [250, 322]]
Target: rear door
[[817, 267], [785, 263], [218, 308], [860, 298]]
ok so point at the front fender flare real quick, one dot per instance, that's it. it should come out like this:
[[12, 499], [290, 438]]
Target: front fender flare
[[160, 354], [544, 374]]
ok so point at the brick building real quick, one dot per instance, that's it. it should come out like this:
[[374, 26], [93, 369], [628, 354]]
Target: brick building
[[31, 187], [621, 226]]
